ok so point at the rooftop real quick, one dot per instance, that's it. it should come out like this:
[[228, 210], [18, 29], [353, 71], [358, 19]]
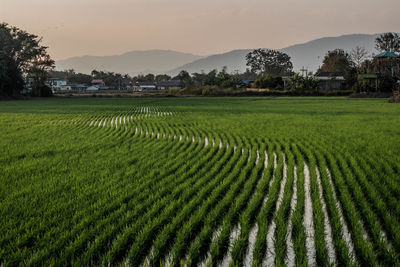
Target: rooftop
[[169, 83], [329, 74], [98, 81], [386, 54]]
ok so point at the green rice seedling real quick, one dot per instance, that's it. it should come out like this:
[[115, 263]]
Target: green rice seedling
[[283, 212], [298, 232], [318, 216]]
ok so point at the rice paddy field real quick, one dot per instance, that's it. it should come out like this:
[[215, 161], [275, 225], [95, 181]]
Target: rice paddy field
[[199, 182]]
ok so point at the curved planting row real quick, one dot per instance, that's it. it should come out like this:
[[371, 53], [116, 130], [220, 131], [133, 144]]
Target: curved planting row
[[176, 194]]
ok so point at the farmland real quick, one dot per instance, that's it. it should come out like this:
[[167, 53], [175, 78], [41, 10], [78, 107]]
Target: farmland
[[199, 182]]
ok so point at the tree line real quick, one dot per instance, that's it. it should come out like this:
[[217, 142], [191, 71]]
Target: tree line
[[22, 56]]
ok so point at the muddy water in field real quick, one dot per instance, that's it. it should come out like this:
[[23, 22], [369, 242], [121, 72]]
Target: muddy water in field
[[248, 159], [258, 156], [207, 260], [272, 179], [232, 239]]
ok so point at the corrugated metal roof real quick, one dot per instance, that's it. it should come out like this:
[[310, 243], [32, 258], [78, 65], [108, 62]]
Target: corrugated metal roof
[[387, 54], [329, 74]]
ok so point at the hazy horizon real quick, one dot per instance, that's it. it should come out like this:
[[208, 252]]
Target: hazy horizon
[[103, 28], [216, 53]]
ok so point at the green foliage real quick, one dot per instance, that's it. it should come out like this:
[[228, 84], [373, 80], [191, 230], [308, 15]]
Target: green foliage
[[185, 79], [302, 84], [11, 80], [351, 79], [221, 79], [387, 83], [336, 61], [162, 77], [269, 82], [21, 54], [388, 42], [71, 76], [271, 62], [110, 78]]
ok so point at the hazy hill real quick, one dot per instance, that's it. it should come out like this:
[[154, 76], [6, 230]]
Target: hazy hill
[[308, 55], [311, 54], [150, 61], [233, 60]]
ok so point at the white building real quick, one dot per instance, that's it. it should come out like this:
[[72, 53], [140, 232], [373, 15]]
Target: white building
[[56, 84]]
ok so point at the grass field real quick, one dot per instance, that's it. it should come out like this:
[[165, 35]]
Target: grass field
[[199, 182]]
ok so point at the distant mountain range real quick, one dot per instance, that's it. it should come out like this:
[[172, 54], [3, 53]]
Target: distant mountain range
[[134, 62], [308, 55]]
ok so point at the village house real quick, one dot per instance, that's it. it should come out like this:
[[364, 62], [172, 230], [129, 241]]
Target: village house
[[127, 83], [78, 88], [98, 82], [146, 86], [56, 84], [386, 64], [172, 84], [330, 80]]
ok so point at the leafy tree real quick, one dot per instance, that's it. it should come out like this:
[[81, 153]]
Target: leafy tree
[[199, 78], [162, 77], [149, 77], [185, 79], [140, 78], [336, 61], [211, 78], [271, 62], [388, 42], [110, 78], [19, 52], [38, 69], [10, 77], [247, 75], [95, 74], [214, 78], [79, 78]]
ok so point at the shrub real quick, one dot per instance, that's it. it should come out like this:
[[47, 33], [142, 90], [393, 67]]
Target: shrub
[[269, 82]]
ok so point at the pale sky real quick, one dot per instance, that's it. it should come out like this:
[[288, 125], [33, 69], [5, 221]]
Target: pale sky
[[203, 27]]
